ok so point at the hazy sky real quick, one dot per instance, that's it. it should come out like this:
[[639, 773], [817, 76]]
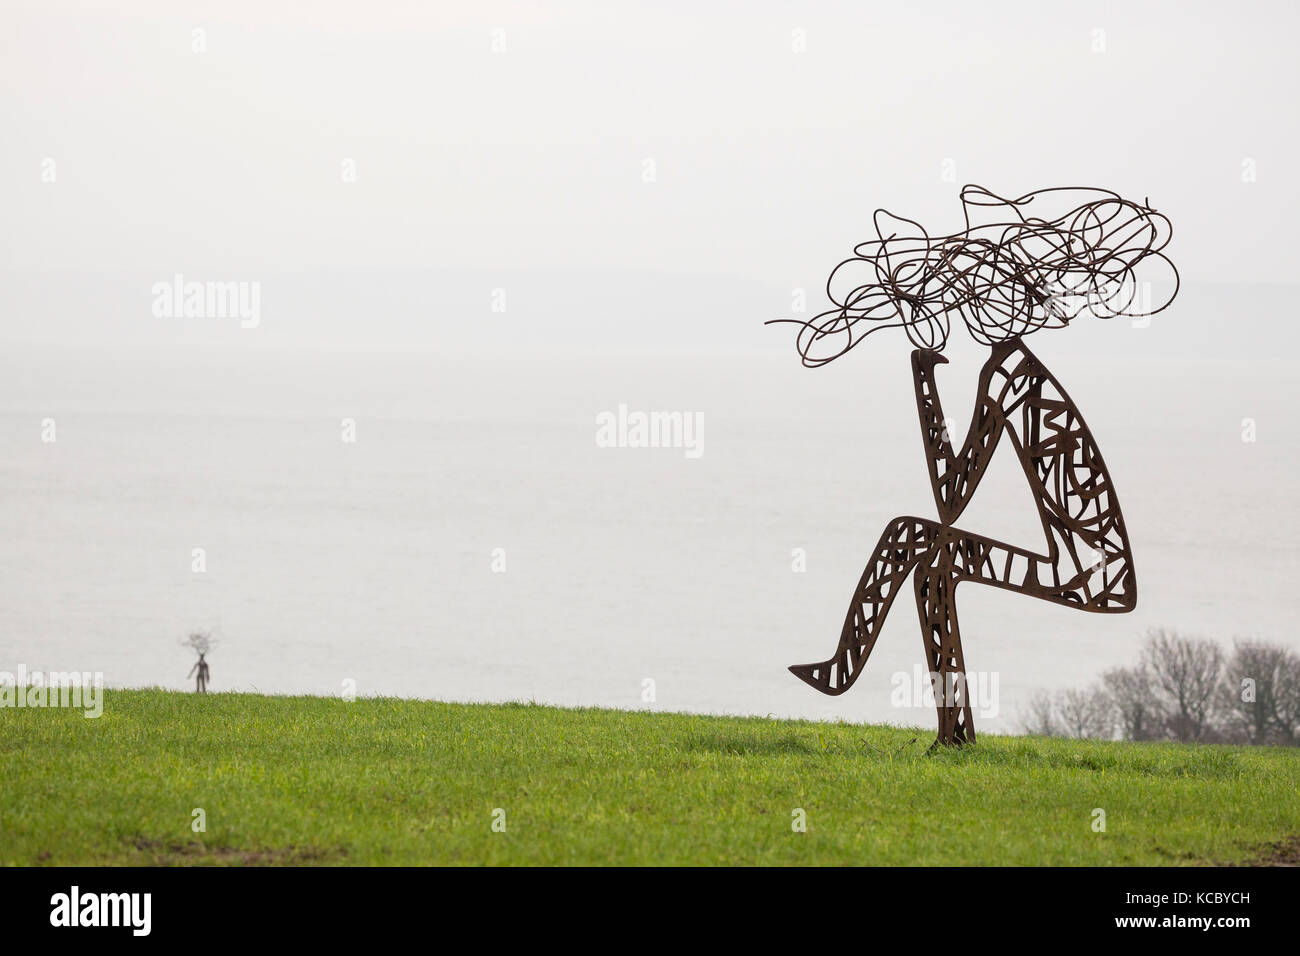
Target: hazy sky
[[768, 161], [638, 181]]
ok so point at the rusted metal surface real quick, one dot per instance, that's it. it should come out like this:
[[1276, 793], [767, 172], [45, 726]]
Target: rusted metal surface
[[1005, 279]]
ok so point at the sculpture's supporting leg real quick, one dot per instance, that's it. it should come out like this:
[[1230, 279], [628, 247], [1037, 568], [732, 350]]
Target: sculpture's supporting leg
[[939, 630]]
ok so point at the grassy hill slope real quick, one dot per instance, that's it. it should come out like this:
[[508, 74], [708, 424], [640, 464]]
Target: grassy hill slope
[[316, 780]]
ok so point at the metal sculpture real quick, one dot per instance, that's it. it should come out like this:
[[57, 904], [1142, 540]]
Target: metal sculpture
[[1005, 278]]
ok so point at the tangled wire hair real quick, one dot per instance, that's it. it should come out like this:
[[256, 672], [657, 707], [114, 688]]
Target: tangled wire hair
[[1005, 278]]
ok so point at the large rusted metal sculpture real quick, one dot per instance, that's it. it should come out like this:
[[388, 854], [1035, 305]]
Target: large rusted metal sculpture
[[1005, 277]]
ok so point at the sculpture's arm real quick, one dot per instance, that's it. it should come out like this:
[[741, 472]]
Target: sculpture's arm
[[954, 475]]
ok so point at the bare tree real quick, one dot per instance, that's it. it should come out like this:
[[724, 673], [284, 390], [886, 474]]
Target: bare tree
[[1185, 673], [1137, 710], [1041, 718], [1254, 676], [1286, 701], [1187, 689], [1085, 713]]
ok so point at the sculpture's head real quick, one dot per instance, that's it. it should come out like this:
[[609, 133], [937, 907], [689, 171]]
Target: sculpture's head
[[1019, 265]]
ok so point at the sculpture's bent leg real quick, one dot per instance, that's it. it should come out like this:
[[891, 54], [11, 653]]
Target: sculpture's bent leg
[[904, 542]]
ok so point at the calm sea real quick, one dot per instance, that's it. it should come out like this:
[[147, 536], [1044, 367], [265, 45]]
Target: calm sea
[[475, 543]]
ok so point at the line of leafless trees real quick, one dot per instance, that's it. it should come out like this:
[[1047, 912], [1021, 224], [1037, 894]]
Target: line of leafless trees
[[1183, 688]]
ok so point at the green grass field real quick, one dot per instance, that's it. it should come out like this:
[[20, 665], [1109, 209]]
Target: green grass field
[[313, 780]]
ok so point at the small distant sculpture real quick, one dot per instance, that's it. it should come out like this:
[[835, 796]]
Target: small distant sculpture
[[201, 682], [202, 643], [1008, 273]]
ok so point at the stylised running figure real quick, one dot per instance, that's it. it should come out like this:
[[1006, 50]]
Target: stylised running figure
[[1005, 279]]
